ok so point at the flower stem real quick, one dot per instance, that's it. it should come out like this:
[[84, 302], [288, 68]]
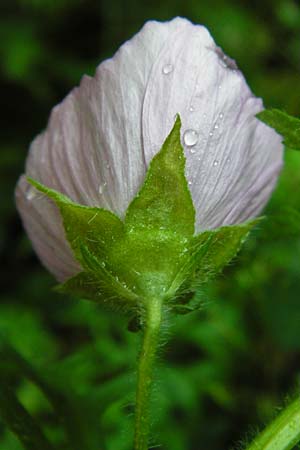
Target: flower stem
[[152, 325], [283, 433]]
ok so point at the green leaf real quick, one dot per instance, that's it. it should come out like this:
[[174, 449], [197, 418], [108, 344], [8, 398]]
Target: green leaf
[[19, 421], [164, 201], [286, 125]]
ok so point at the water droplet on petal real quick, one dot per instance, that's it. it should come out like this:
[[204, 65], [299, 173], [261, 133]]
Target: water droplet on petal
[[228, 160], [168, 68], [101, 188], [190, 138], [192, 109], [30, 193], [216, 126], [211, 133], [221, 115], [190, 183], [193, 150], [215, 163]]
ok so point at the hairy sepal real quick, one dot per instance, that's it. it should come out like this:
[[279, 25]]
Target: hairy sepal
[[210, 252]]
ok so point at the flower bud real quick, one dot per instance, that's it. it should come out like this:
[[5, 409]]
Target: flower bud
[[101, 138]]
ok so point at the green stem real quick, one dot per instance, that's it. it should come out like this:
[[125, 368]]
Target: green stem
[[152, 325], [283, 433]]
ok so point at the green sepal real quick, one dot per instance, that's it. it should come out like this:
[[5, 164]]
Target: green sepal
[[91, 233], [211, 251], [214, 249], [94, 227], [164, 201], [98, 283], [159, 223], [286, 125]]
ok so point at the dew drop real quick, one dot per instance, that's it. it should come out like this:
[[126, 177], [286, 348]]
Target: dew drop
[[215, 163], [228, 160], [168, 68], [216, 126], [221, 115], [30, 193], [192, 109], [101, 188], [211, 133], [190, 183], [193, 150], [190, 138]]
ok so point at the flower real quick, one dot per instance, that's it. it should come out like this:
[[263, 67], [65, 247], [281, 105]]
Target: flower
[[102, 137]]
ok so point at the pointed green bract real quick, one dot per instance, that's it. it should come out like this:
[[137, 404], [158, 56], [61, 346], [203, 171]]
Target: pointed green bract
[[164, 201], [98, 283], [91, 232], [153, 253], [97, 228], [286, 125], [216, 248], [158, 223], [102, 287], [210, 252]]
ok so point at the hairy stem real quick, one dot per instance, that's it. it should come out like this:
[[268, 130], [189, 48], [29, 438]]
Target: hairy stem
[[283, 433], [152, 325]]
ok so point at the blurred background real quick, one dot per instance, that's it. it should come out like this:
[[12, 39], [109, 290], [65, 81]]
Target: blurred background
[[227, 368]]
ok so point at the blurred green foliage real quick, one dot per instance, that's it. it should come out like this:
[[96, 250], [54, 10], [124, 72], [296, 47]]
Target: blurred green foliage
[[225, 367]]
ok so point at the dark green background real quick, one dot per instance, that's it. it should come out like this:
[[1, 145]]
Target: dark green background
[[225, 368]]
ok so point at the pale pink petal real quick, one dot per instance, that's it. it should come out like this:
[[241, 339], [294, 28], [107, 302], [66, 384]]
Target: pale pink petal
[[43, 225], [236, 158]]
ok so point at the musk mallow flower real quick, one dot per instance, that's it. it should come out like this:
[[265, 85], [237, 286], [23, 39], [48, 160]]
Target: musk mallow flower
[[101, 138]]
